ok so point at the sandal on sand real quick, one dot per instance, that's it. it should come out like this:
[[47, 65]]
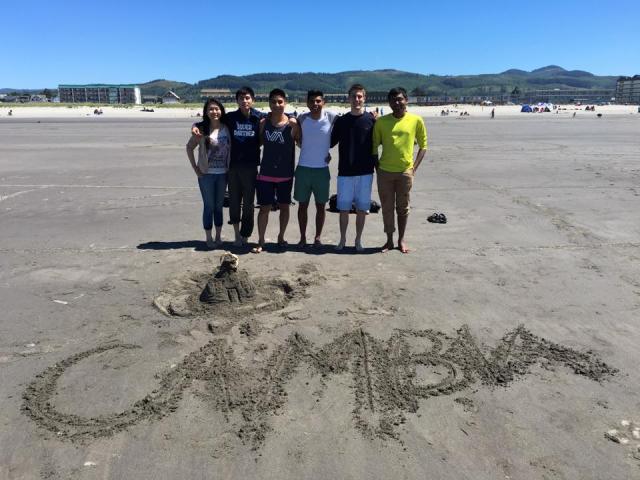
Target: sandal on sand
[[257, 249], [386, 247], [437, 218]]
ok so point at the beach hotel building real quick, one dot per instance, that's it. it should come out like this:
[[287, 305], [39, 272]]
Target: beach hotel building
[[557, 95], [222, 94], [628, 90], [97, 93], [225, 95]]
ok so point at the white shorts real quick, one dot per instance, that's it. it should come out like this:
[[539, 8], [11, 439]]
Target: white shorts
[[356, 190]]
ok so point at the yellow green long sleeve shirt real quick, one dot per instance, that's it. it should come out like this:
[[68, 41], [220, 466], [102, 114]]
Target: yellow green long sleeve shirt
[[397, 137]]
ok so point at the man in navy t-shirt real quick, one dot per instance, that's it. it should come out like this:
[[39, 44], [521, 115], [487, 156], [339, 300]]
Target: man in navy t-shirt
[[353, 134]]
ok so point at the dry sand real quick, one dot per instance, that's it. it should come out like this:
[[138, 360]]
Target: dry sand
[[503, 346], [135, 111]]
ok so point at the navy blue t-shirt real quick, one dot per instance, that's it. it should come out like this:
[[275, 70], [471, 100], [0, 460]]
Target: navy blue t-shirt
[[353, 134], [245, 138]]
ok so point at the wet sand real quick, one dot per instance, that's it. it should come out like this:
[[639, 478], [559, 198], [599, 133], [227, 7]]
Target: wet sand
[[503, 346]]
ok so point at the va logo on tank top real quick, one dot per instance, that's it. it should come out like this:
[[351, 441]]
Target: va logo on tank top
[[275, 136]]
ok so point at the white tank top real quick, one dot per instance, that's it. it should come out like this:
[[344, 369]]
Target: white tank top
[[316, 139]]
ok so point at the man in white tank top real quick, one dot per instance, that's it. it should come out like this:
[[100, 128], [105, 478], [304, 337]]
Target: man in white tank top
[[312, 174]]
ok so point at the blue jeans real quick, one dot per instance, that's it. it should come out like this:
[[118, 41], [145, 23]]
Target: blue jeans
[[212, 188]]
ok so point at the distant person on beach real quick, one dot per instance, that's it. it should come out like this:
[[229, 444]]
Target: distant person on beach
[[214, 144], [352, 133], [493, 113], [244, 126], [312, 173], [397, 133], [10, 113], [279, 135]]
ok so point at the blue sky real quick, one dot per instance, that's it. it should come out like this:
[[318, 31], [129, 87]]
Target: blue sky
[[137, 41]]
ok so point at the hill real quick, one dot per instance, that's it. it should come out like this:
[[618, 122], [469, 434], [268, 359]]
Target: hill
[[161, 86], [551, 76]]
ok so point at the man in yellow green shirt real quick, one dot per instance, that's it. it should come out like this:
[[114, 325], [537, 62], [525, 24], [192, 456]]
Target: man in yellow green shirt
[[397, 132]]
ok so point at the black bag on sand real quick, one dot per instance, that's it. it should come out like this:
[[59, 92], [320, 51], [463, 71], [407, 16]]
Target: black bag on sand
[[333, 205]]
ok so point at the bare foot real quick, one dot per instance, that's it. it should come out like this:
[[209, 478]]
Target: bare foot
[[317, 243], [244, 240], [340, 245], [217, 243], [237, 242], [302, 243], [210, 243], [403, 247], [386, 247], [359, 247]]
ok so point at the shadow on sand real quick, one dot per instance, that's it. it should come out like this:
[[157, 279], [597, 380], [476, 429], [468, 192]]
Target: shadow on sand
[[201, 246]]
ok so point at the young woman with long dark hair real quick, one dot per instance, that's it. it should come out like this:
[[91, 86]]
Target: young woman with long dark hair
[[214, 147]]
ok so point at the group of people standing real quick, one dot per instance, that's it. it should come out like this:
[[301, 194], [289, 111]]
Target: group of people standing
[[229, 157]]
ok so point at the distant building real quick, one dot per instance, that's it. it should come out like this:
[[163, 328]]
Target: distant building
[[38, 98], [557, 95], [150, 99], [628, 90], [335, 98], [99, 93], [170, 98], [222, 94], [376, 96]]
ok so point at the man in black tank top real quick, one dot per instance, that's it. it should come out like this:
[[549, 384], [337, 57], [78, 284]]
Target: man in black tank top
[[278, 135]]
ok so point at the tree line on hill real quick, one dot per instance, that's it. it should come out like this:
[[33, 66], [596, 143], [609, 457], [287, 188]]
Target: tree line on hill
[[382, 80], [509, 81]]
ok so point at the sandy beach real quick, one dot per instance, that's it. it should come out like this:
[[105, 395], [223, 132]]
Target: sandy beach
[[135, 111], [504, 346]]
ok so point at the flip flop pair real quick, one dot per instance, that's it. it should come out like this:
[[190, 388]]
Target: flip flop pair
[[437, 218]]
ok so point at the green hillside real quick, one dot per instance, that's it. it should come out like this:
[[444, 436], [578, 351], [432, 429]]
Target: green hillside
[[551, 76], [162, 86]]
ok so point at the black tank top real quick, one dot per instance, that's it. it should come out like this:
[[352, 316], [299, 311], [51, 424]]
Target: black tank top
[[278, 151]]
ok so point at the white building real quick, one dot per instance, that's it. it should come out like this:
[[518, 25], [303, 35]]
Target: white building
[[170, 98]]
